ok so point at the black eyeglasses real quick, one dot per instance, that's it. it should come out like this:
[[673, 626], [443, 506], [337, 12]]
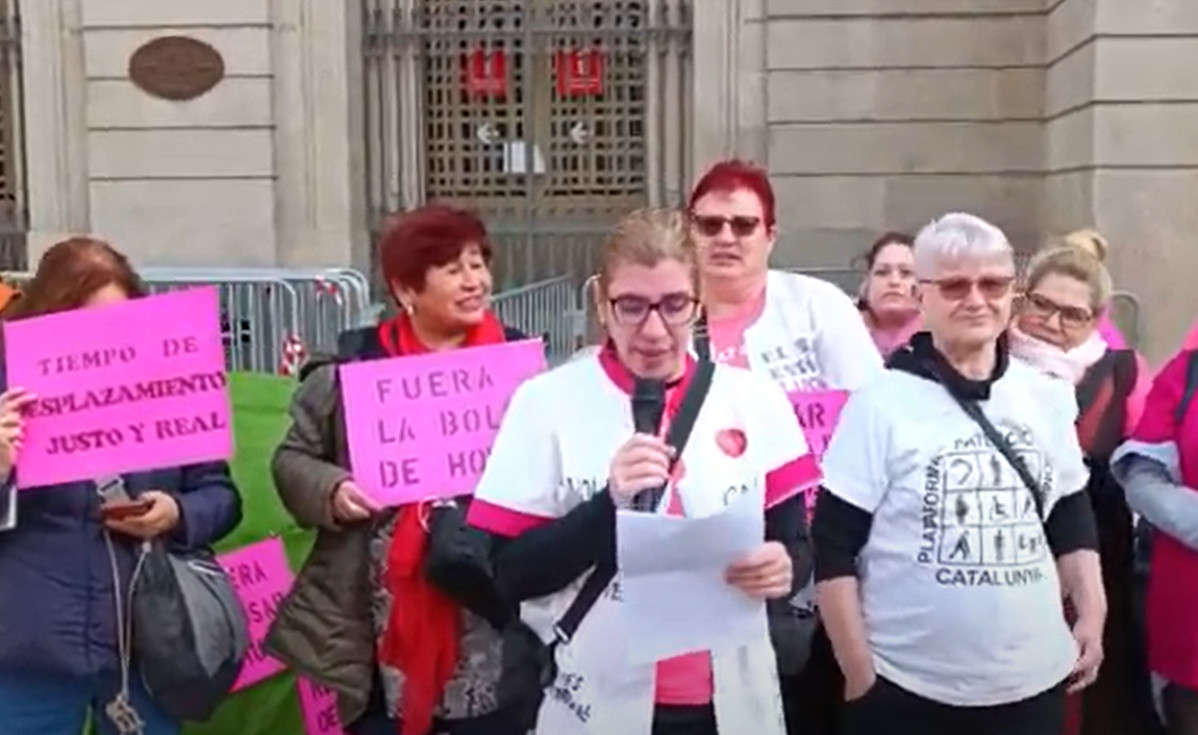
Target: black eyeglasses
[[676, 309], [1072, 317], [712, 225]]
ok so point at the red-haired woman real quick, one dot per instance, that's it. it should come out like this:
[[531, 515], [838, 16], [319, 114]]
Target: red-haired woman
[[65, 568], [803, 332], [339, 625], [888, 304]]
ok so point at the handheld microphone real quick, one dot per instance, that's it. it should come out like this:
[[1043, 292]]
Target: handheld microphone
[[648, 405]]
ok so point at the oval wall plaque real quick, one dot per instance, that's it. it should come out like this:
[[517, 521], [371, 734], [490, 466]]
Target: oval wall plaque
[[176, 67]]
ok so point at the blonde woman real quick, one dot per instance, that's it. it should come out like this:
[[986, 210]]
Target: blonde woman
[[1067, 290], [567, 456], [1092, 242]]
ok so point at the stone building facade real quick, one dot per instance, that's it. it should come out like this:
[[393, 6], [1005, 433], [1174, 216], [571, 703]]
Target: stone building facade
[[1042, 115]]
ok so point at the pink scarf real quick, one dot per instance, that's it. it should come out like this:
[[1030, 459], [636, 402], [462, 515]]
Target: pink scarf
[[1070, 365], [887, 340]]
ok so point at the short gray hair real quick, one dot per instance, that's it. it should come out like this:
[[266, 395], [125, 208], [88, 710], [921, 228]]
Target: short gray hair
[[958, 236]]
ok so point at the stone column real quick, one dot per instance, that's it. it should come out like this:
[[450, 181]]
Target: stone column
[[1124, 148], [55, 121], [319, 134]]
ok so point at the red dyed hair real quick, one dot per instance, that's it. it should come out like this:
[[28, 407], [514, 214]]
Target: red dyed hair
[[426, 237], [728, 176], [69, 273]]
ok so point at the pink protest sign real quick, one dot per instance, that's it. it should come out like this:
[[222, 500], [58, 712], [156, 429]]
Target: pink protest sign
[[421, 427], [137, 385], [262, 578], [319, 705], [818, 412]]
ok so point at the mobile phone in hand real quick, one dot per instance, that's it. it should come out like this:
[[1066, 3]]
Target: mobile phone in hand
[[121, 509], [115, 501]]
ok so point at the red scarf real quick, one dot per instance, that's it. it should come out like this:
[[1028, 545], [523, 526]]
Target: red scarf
[[421, 636]]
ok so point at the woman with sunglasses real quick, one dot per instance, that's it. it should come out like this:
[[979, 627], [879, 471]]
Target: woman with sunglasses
[[802, 332], [1066, 291], [954, 518], [567, 457], [887, 302]]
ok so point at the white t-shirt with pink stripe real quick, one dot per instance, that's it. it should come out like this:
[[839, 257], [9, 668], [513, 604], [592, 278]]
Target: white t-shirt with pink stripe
[[553, 452]]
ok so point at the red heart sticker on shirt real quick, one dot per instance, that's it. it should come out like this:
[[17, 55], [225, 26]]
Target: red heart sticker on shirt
[[732, 441]]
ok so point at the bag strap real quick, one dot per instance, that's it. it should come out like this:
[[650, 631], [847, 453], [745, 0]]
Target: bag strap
[[1095, 379], [974, 411], [1191, 389], [605, 572], [701, 336]]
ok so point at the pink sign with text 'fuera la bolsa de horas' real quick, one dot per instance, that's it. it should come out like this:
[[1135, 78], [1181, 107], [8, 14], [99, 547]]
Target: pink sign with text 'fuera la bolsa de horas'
[[319, 707], [421, 427], [137, 385]]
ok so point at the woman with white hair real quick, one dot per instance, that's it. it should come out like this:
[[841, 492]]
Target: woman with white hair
[[954, 519]]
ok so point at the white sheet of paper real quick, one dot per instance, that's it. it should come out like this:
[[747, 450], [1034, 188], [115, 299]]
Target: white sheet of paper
[[672, 583]]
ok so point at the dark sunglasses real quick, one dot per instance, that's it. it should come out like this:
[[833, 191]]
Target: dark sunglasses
[[676, 310], [1044, 308], [710, 225], [956, 289]]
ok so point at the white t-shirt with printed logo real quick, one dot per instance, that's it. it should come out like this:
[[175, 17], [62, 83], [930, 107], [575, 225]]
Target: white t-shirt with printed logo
[[959, 589], [553, 452], [809, 337]]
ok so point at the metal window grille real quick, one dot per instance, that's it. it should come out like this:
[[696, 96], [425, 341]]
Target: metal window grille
[[552, 117]]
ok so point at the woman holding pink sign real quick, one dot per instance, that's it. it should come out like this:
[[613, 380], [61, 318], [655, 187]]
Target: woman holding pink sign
[[67, 552], [403, 654]]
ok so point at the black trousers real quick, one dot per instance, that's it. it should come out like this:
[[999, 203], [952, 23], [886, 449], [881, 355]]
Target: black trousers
[[812, 699], [682, 720], [889, 709], [1181, 710]]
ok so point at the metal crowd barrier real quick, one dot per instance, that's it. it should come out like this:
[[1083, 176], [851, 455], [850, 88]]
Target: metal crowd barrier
[[546, 309], [324, 302], [271, 317]]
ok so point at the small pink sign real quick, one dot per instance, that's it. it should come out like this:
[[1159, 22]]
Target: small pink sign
[[422, 427], [134, 386], [319, 705], [262, 578], [818, 413]]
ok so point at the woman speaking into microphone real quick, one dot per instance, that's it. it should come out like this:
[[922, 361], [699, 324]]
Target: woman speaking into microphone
[[568, 455]]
